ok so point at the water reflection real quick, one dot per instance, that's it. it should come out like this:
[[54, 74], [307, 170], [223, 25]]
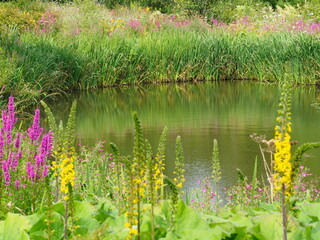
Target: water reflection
[[200, 112]]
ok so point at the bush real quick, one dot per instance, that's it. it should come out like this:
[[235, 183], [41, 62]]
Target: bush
[[19, 17]]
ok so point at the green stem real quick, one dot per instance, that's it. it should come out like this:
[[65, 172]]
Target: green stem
[[65, 235], [284, 213]]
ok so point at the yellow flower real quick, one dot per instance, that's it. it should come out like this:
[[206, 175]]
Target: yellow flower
[[133, 231], [127, 225]]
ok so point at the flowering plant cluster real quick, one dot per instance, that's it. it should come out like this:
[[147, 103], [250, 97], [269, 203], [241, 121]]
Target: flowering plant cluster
[[24, 159]]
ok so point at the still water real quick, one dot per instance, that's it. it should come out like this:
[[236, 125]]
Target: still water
[[199, 113]]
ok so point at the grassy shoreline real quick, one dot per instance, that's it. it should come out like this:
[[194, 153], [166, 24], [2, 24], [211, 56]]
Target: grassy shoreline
[[87, 46]]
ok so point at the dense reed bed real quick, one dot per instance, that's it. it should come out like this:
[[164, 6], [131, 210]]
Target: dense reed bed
[[86, 61]]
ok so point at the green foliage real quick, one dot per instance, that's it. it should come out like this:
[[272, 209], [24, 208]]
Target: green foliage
[[63, 137], [14, 227], [179, 169], [258, 223], [297, 157]]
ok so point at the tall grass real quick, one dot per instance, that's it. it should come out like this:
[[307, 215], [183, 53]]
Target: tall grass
[[85, 61]]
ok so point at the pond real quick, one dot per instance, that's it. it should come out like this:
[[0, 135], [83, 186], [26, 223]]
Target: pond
[[199, 112]]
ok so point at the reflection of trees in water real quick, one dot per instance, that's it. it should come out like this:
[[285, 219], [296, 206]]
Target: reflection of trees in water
[[182, 105]]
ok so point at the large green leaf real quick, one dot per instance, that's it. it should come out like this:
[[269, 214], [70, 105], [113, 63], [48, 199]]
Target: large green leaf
[[190, 225], [15, 227], [39, 229], [310, 209], [85, 218], [315, 233], [267, 226]]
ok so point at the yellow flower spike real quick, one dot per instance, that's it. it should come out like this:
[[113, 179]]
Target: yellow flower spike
[[282, 156]]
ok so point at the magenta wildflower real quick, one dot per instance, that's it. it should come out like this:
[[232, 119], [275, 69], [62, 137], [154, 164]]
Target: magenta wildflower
[[30, 170], [213, 195], [46, 143], [12, 119], [17, 183], [17, 143], [17, 157], [1, 143], [35, 131], [6, 173], [135, 25], [45, 170]]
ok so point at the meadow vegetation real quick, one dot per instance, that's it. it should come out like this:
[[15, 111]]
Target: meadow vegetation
[[51, 188]]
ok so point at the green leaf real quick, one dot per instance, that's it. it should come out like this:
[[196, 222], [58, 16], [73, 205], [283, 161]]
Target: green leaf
[[59, 208], [102, 214], [267, 226], [315, 233], [310, 209], [39, 229], [189, 225], [15, 227], [85, 219]]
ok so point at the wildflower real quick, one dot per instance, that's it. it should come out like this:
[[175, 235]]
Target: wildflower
[[67, 174], [282, 156], [133, 231], [35, 131]]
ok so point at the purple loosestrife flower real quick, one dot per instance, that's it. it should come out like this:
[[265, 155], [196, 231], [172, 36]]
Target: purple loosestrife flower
[[17, 184], [1, 144], [35, 131], [4, 119], [30, 170], [6, 173], [46, 143], [39, 160], [8, 120], [17, 143], [10, 159], [16, 160], [12, 119], [45, 170]]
